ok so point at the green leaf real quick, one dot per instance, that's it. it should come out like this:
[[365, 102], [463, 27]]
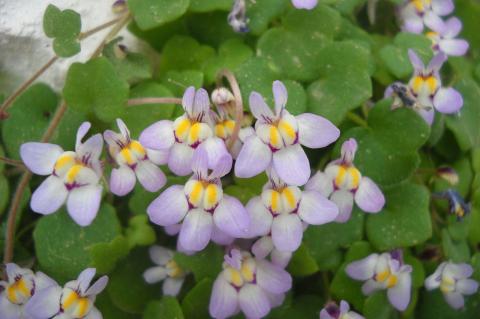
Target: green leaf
[[205, 264], [243, 194], [302, 263], [149, 14], [64, 249], [167, 308], [418, 272], [66, 47], [178, 81], [303, 307], [405, 221], [184, 53], [261, 13], [104, 303], [95, 86], [213, 33], [4, 194], [106, 255], [433, 305], [455, 250], [64, 27], [140, 232], [210, 5], [195, 303], [377, 306]]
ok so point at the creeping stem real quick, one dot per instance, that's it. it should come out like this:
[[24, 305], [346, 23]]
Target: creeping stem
[[154, 100]]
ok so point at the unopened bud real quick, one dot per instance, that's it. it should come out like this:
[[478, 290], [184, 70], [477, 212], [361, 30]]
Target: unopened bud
[[222, 96], [119, 6], [448, 174]]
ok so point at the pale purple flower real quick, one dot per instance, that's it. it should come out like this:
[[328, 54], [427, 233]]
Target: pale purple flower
[[282, 209], [74, 301], [249, 285], [73, 176], [424, 92], [18, 289], [278, 138], [443, 38], [454, 282], [344, 184], [333, 311], [415, 14], [167, 270], [134, 161], [384, 271], [201, 206], [186, 135], [237, 18], [305, 4], [264, 247]]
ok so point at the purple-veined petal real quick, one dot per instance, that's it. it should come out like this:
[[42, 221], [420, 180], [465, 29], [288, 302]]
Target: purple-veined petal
[[434, 22], [253, 301], [85, 278], [349, 148], [292, 165], [172, 286], [160, 255], [216, 151], [111, 138], [40, 158], [231, 217], [123, 129], [222, 167], [201, 103], [442, 7], [436, 62], [155, 274], [454, 299], [454, 26], [315, 131], [158, 157], [448, 100], [188, 99], [362, 269], [49, 196], [316, 209], [81, 132], [224, 299], [320, 182], [344, 201], [83, 203], [92, 148], [272, 278], [280, 95], [97, 287], [434, 280], [399, 295], [94, 313], [196, 230], [122, 180], [13, 270], [220, 237], [370, 286], [261, 218], [458, 271], [417, 63], [259, 108], [454, 47], [180, 159], [325, 315], [169, 208], [262, 247], [287, 232], [467, 286], [200, 163], [45, 303], [305, 4], [253, 159], [280, 258], [150, 176], [158, 136], [369, 197]]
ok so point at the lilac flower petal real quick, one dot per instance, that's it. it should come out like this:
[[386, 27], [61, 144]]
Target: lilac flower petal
[[111, 138], [280, 95], [158, 157], [459, 270], [455, 300], [122, 180], [221, 238], [261, 218], [369, 197], [81, 132], [305, 4], [316, 209], [262, 247], [13, 270], [172, 286], [94, 313], [97, 287], [427, 115], [287, 232], [216, 151], [83, 203], [344, 201], [442, 7], [454, 26], [201, 103], [370, 286], [321, 183], [280, 258], [362, 269], [344, 307], [413, 24], [45, 303], [434, 280], [123, 129], [272, 278], [448, 100], [417, 63], [155, 274], [158, 136], [292, 165], [188, 99], [259, 108], [49, 196], [454, 47], [325, 315], [434, 22], [231, 217], [245, 132], [467, 286], [180, 159], [399, 295], [253, 301], [150, 176], [253, 159], [200, 162], [276, 300], [436, 62], [233, 258], [85, 278], [315, 131], [224, 299], [9, 310], [43, 281], [222, 167], [92, 148], [160, 255], [196, 230], [40, 158], [169, 208]]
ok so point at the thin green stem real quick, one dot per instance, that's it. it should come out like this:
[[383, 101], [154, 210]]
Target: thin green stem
[[357, 119], [12, 162]]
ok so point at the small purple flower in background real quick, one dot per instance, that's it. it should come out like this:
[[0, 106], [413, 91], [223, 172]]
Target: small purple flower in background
[[282, 209], [167, 271], [305, 4], [134, 162], [73, 176], [264, 247], [453, 281], [449, 174], [186, 135], [385, 271], [252, 286], [456, 203], [426, 91], [201, 206], [278, 138], [443, 38], [237, 18], [417, 13], [332, 311], [18, 290], [343, 184], [75, 300]]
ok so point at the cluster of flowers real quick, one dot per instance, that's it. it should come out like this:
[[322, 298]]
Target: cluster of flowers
[[29, 295]]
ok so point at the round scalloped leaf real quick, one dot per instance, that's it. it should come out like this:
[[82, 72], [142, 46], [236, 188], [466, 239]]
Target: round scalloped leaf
[[149, 14], [195, 303], [204, 264], [210, 5], [167, 308], [184, 53], [64, 26]]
